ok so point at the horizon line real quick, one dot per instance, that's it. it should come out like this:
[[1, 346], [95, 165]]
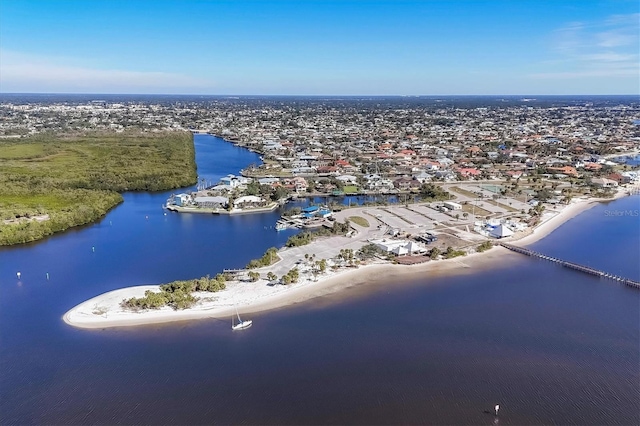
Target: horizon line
[[314, 95]]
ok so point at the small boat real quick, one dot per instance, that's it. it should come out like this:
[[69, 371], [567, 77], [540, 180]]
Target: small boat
[[281, 226], [241, 324]]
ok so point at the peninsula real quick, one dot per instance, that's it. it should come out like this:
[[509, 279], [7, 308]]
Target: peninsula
[[324, 266]]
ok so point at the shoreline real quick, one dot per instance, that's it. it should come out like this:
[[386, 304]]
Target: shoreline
[[205, 210], [103, 311], [255, 297]]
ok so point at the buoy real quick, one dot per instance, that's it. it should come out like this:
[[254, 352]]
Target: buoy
[[497, 407]]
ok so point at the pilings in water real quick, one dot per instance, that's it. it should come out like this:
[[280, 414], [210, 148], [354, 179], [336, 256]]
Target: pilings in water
[[577, 267]]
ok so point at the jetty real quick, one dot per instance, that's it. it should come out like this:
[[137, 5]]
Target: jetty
[[586, 269]]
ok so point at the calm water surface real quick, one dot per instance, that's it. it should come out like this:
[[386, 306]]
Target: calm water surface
[[551, 345]]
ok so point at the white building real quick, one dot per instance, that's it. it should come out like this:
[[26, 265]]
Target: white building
[[452, 206], [399, 247]]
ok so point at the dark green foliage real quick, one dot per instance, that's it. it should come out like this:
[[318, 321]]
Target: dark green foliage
[[176, 294], [301, 239], [487, 245], [268, 258], [341, 228], [292, 211], [369, 251], [451, 253], [433, 192], [434, 253], [75, 180], [544, 195], [306, 237], [291, 277]]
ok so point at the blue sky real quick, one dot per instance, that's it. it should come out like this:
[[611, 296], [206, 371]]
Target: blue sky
[[315, 47]]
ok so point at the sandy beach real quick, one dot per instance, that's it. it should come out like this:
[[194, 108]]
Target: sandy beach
[[552, 220], [250, 297]]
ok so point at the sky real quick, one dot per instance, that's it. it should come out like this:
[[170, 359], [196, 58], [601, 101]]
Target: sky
[[320, 47]]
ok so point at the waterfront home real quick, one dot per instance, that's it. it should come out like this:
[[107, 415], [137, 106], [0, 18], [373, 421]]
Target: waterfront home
[[211, 202], [604, 183], [182, 200], [249, 201], [270, 181], [233, 181], [406, 184], [347, 179]]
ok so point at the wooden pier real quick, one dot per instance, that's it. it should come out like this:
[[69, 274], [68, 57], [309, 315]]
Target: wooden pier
[[577, 267]]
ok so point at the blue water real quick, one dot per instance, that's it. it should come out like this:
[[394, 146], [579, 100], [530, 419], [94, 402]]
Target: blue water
[[632, 161], [549, 344]]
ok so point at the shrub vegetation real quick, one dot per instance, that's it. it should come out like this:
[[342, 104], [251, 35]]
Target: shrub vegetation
[[268, 258], [487, 245], [76, 180], [176, 294]]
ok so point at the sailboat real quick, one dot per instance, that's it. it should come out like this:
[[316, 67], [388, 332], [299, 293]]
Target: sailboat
[[241, 325]]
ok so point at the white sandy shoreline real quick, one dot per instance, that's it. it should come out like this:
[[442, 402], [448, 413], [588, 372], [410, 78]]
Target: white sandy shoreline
[[104, 311]]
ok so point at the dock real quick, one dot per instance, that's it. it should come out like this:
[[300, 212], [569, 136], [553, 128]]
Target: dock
[[586, 269]]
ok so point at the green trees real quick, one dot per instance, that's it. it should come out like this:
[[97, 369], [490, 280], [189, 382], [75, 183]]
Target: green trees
[[300, 239], [450, 252], [291, 277], [254, 276], [346, 255], [434, 253], [268, 258], [433, 192], [369, 251], [487, 245], [292, 212], [176, 294], [76, 180]]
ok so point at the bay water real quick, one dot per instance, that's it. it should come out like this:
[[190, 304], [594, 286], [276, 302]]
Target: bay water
[[549, 344]]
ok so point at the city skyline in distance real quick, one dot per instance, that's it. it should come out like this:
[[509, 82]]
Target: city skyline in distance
[[348, 48]]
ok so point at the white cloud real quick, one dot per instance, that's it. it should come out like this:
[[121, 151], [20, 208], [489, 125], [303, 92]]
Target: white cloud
[[21, 72], [604, 50]]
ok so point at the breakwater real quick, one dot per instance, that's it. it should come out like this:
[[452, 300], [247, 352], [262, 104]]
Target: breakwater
[[572, 265]]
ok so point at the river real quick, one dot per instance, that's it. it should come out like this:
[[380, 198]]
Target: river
[[549, 344]]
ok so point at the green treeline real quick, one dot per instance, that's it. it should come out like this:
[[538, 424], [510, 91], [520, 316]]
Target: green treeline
[[268, 258], [76, 180], [176, 294], [306, 237]]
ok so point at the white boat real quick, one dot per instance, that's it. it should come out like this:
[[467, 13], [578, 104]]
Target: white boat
[[241, 325], [281, 225]]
